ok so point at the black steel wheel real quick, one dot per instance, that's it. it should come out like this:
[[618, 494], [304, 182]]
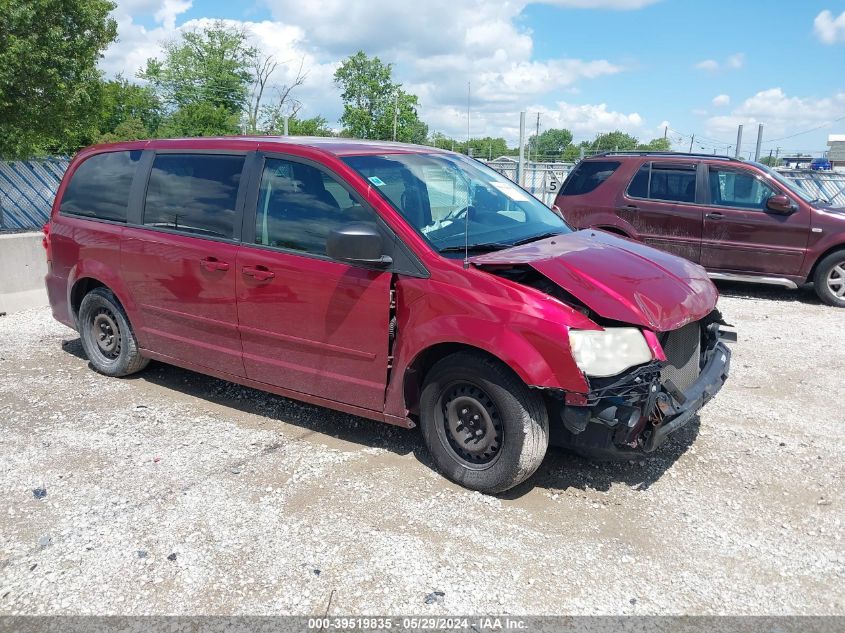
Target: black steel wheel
[[107, 336], [485, 429]]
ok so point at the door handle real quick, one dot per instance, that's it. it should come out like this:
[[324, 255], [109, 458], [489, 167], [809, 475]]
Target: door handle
[[629, 207], [259, 273], [715, 215], [212, 264]]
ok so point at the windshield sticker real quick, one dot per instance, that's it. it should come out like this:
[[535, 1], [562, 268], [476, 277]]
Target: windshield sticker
[[378, 182], [511, 191]]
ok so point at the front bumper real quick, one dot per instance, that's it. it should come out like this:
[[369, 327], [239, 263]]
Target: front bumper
[[635, 413]]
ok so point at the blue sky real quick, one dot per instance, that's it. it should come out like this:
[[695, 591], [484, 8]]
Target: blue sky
[[589, 65]]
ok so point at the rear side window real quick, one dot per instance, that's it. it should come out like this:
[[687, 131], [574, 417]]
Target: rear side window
[[587, 176], [670, 182], [194, 193], [99, 188]]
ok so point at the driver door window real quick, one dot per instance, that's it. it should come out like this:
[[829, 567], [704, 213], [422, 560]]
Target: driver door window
[[299, 205], [732, 188]]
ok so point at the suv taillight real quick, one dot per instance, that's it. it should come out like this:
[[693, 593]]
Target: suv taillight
[[46, 241]]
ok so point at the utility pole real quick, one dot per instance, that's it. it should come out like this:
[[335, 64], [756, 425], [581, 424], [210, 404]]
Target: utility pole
[[396, 115], [521, 165], [692, 139], [665, 131], [537, 139], [759, 143], [738, 141], [286, 125]]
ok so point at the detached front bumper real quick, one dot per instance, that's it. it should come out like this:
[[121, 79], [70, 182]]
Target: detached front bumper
[[637, 411]]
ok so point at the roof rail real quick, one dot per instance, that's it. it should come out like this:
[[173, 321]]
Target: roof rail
[[669, 154]]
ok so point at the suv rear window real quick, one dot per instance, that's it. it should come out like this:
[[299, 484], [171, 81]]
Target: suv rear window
[[99, 188], [194, 193], [664, 181], [587, 176]]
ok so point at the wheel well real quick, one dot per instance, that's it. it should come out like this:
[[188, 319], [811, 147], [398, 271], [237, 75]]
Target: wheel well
[[416, 372], [81, 288], [832, 249]]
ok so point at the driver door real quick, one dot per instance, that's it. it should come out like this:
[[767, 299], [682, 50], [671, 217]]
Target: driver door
[[309, 323], [741, 235]]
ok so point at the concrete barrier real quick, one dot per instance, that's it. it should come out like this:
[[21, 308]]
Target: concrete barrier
[[23, 265]]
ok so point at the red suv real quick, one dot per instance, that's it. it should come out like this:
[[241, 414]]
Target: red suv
[[740, 220], [400, 283]]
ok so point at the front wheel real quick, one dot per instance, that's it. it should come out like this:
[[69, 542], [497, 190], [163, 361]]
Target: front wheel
[[485, 429], [829, 280]]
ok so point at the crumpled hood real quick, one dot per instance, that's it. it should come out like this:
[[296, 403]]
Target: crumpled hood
[[619, 279]]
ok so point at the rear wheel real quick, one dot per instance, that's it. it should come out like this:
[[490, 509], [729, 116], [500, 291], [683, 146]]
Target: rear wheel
[[107, 337], [829, 280], [485, 429]]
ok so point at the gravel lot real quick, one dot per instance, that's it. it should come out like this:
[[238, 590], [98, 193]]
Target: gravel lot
[[174, 493]]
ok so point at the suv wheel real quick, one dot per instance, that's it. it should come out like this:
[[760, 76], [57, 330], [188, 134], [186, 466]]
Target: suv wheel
[[107, 337], [485, 429], [829, 280]]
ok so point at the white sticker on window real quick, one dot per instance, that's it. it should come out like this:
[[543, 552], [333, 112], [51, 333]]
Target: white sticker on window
[[511, 191], [378, 182]]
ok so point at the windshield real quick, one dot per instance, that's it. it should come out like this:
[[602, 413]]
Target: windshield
[[792, 186], [448, 198]]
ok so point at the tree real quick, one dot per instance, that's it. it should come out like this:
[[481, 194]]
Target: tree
[[127, 111], [264, 117], [550, 144], [771, 161], [49, 82], [372, 102], [661, 144], [315, 126], [613, 141], [204, 80]]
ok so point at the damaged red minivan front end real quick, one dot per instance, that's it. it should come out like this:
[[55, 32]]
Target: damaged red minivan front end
[[656, 322]]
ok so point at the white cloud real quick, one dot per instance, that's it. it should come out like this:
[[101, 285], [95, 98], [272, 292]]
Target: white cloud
[[481, 42], [732, 62], [603, 4], [781, 114], [720, 101], [708, 64], [829, 29]]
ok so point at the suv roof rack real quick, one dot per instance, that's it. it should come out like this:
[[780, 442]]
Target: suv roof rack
[[667, 154]]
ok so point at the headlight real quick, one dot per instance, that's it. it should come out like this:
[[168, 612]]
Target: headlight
[[608, 352]]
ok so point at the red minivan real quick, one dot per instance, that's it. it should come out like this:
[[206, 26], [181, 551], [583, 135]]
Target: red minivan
[[401, 283]]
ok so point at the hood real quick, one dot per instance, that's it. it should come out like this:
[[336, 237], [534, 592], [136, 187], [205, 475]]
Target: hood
[[617, 278]]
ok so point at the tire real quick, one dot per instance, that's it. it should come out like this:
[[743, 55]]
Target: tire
[[107, 336], [506, 433], [829, 280]]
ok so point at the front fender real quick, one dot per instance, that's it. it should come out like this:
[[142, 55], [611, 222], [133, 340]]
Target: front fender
[[534, 343]]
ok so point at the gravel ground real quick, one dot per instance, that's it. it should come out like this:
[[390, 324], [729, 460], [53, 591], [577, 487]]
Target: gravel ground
[[173, 493]]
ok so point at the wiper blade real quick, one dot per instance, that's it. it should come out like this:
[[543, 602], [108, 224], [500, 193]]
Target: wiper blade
[[534, 238], [489, 246]]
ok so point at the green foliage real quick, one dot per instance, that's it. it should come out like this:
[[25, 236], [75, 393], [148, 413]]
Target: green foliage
[[372, 102], [203, 80], [200, 119], [613, 141], [656, 145], [485, 147], [315, 126], [127, 111], [49, 82], [550, 144], [771, 161]]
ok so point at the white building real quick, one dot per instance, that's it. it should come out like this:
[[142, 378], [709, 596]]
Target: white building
[[836, 153]]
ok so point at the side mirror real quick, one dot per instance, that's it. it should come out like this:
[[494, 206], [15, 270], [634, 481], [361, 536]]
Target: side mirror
[[357, 242], [780, 204]]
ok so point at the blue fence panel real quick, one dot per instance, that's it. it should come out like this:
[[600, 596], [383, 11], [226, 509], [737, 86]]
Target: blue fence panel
[[27, 190]]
